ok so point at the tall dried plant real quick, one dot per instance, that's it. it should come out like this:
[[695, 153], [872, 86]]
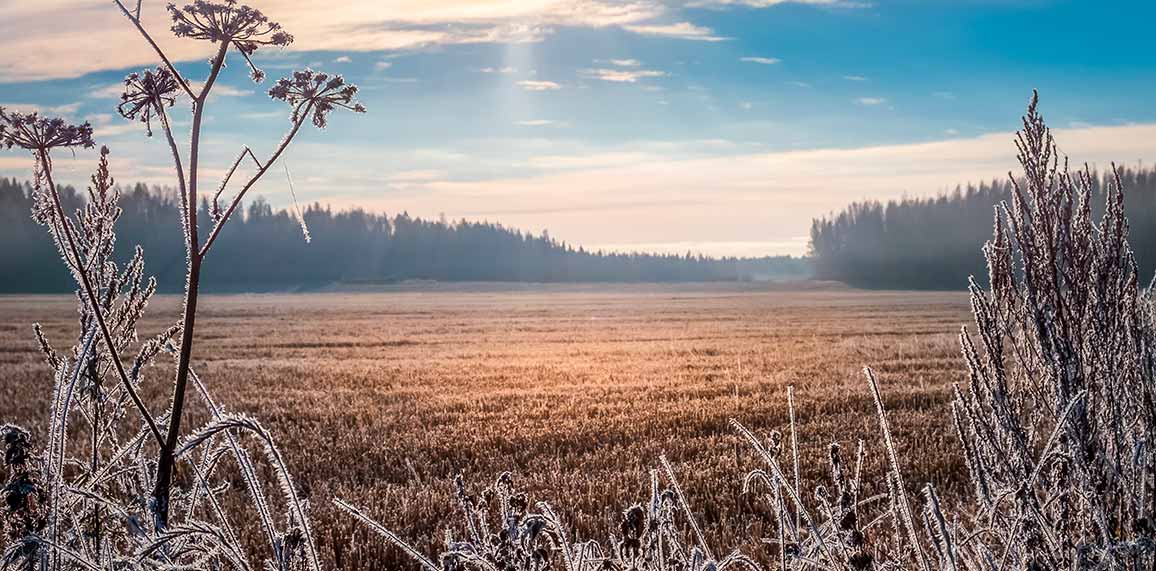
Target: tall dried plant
[[115, 502]]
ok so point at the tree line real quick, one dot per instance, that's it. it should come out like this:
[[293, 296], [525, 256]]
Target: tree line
[[935, 243], [265, 249]]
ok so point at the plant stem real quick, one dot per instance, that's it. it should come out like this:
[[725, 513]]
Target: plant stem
[[166, 461], [136, 22]]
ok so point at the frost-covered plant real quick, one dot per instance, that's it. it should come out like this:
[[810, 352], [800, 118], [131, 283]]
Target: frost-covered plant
[[503, 532], [103, 493], [1056, 426], [1058, 419]]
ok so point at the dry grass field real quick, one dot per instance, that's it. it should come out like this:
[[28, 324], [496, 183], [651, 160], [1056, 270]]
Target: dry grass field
[[381, 398]]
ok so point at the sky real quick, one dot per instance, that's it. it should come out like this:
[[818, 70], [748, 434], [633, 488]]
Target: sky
[[720, 127]]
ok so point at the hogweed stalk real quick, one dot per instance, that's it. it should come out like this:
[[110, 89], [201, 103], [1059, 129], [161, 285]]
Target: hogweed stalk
[[112, 507]]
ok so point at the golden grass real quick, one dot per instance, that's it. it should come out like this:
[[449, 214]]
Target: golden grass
[[381, 398]]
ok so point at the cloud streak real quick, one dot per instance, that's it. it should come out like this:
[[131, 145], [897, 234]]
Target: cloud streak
[[678, 30], [622, 75], [91, 35], [538, 85]]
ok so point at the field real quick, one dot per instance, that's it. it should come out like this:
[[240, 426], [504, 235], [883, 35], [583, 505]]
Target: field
[[381, 398]]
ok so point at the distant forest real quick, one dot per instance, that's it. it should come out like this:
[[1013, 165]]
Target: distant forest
[[934, 243], [265, 250]]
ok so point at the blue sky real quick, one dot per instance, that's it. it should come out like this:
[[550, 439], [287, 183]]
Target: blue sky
[[720, 126]]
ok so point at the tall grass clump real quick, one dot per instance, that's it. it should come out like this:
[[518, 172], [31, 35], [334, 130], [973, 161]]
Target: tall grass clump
[[104, 491], [1055, 424]]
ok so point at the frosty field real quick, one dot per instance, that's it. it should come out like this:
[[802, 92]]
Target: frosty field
[[575, 389]]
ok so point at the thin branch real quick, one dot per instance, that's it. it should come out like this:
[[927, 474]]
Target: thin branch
[[176, 163], [136, 22], [904, 504], [224, 182], [216, 231]]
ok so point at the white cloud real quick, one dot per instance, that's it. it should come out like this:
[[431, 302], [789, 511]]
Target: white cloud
[[501, 70], [626, 62], [769, 3], [855, 78], [679, 30], [220, 90], [871, 101], [91, 35], [622, 75], [538, 85], [655, 197], [263, 115], [66, 110], [762, 60], [538, 123], [383, 65], [343, 59], [114, 90]]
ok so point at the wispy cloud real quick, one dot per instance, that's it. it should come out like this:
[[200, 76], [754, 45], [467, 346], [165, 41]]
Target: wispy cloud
[[539, 123], [66, 110], [88, 35], [262, 115], [501, 70], [538, 85], [871, 101], [621, 75], [632, 196], [679, 30], [114, 90], [626, 62], [342, 59], [762, 60], [855, 78], [220, 90], [769, 3], [104, 127], [383, 65]]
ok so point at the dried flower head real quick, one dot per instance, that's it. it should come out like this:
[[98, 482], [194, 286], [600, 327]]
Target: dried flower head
[[245, 28], [35, 133], [147, 94], [17, 445], [310, 91]]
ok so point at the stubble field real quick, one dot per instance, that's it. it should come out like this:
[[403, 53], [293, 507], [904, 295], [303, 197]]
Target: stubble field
[[381, 398]]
